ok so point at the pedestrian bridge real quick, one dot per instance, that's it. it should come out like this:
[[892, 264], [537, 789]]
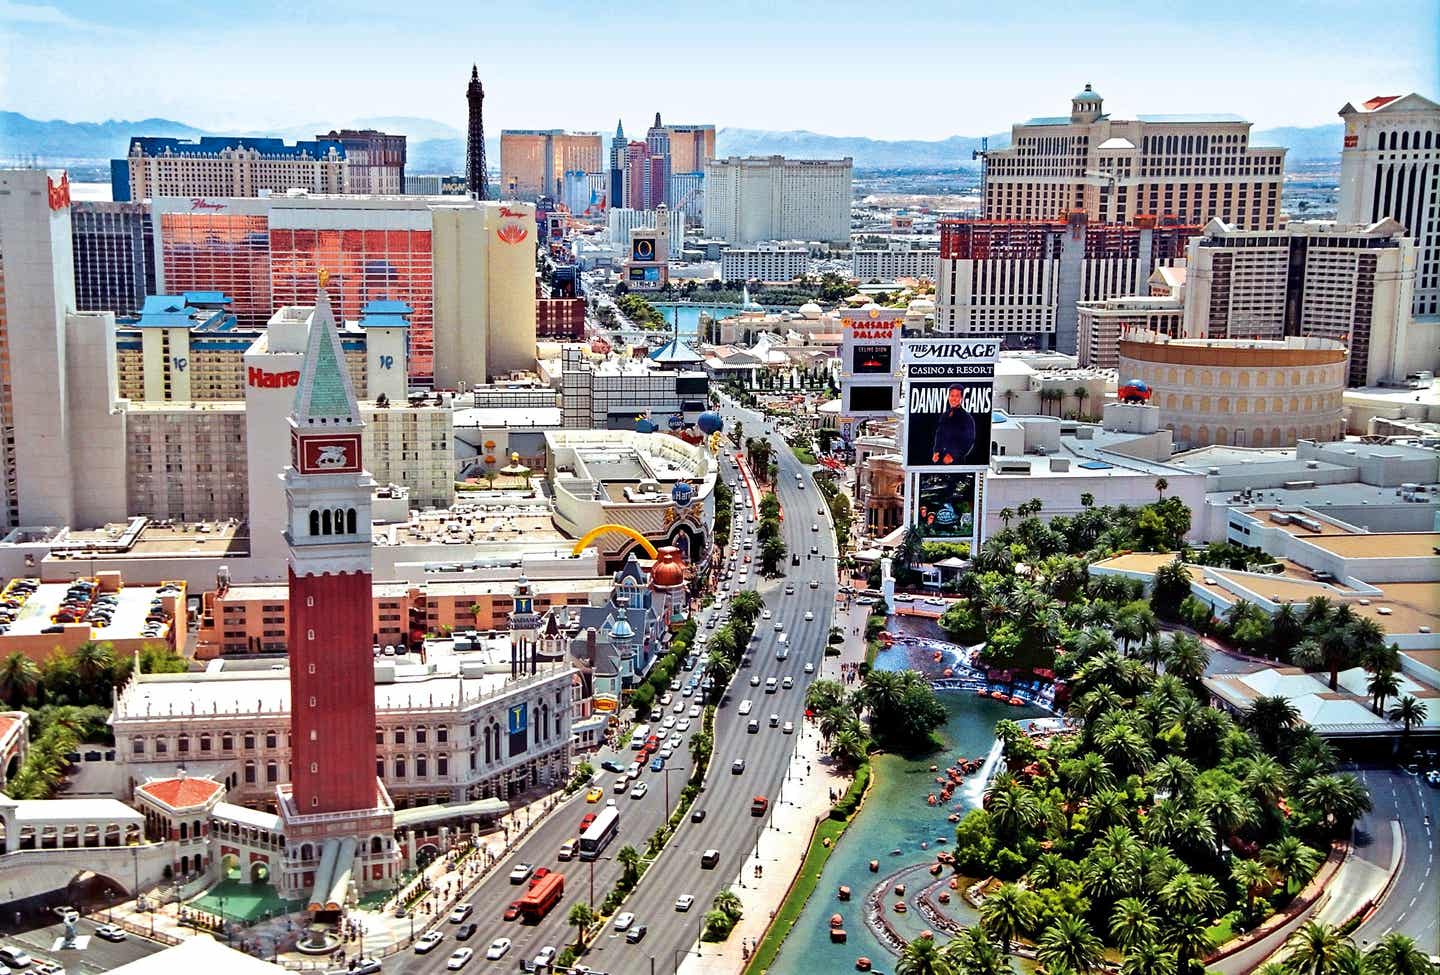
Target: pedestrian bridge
[[26, 873]]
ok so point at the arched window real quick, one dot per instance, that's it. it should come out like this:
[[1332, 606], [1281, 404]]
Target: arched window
[[205, 743], [1404, 140], [314, 522], [350, 521], [377, 845], [250, 772], [339, 521], [227, 742], [272, 772], [325, 522], [184, 830], [400, 768]]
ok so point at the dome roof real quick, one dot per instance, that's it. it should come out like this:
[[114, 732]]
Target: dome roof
[[668, 571], [811, 310], [1088, 95], [621, 629]]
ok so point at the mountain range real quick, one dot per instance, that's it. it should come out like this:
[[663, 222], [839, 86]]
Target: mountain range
[[436, 147]]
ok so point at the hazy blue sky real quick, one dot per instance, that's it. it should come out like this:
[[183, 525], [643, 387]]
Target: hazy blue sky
[[885, 68]]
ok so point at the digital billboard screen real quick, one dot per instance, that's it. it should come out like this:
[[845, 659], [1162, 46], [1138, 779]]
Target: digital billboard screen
[[869, 360], [642, 249], [871, 399], [945, 506], [947, 423], [644, 274]]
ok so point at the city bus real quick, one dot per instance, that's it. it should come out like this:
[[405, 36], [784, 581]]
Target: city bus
[[541, 897], [600, 833]]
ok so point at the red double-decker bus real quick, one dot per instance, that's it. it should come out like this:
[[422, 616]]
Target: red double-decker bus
[[541, 898]]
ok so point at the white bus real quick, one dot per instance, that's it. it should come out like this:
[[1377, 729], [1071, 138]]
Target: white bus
[[600, 833], [638, 736]]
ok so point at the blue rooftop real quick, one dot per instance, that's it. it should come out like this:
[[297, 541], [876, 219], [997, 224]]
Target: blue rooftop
[[208, 310], [1095, 465], [210, 145], [385, 313]]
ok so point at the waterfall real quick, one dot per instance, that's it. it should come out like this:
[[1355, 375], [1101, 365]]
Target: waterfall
[[975, 784]]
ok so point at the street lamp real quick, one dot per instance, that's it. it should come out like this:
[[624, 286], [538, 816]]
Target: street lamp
[[667, 770], [592, 879]]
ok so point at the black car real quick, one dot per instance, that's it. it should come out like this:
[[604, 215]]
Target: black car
[[612, 766], [698, 816], [465, 931], [636, 934]]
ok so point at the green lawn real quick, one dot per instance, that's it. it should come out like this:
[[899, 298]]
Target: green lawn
[[245, 902], [805, 455], [1222, 932], [785, 918]]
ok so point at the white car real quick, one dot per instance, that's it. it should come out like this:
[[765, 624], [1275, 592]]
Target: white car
[[110, 932], [462, 911], [497, 949], [754, 680], [789, 728], [675, 741], [788, 682], [461, 956], [684, 902], [808, 616], [639, 791], [545, 956], [683, 725], [679, 707], [745, 706], [428, 941], [669, 722], [623, 920], [815, 527], [666, 699], [520, 873], [809, 667], [694, 710], [765, 614], [770, 685], [779, 625]]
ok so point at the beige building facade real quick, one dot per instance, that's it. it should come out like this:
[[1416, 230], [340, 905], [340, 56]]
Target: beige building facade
[[1189, 168], [1241, 392]]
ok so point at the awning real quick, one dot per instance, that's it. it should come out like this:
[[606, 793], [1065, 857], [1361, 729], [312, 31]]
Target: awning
[[442, 812]]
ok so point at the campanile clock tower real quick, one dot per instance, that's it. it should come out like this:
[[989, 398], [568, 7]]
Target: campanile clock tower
[[327, 494]]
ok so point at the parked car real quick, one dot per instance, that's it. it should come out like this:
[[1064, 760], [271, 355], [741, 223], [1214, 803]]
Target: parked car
[[427, 942]]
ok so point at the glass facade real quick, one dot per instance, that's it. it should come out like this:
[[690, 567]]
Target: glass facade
[[221, 252], [364, 265], [114, 256]]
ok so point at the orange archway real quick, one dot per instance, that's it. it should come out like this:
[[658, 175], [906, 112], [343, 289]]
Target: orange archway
[[625, 530]]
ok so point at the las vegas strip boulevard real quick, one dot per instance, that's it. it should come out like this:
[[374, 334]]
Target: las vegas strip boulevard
[[946, 400]]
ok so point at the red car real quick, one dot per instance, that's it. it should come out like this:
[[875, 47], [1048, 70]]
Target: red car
[[513, 911], [539, 874], [586, 821]]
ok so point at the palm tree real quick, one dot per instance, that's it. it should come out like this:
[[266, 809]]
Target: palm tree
[[728, 904], [971, 952], [922, 957], [1272, 718], [1186, 657], [1409, 712], [702, 743], [911, 547], [848, 747], [1383, 684], [629, 859], [1188, 893], [824, 694], [19, 676], [746, 607], [1161, 484], [1338, 800], [1081, 394], [580, 918], [1070, 945], [1087, 500], [1316, 949], [1012, 808], [1005, 515], [1189, 936], [93, 660], [1251, 877], [1172, 775], [1005, 913], [1148, 958], [1397, 954], [1290, 860], [1131, 923]]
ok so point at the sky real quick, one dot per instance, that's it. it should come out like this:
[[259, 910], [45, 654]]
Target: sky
[[892, 69]]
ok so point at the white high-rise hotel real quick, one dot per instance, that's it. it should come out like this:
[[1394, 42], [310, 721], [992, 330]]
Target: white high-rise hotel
[[773, 198], [1390, 167]]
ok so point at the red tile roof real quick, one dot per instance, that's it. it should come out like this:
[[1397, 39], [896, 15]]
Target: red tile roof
[[1379, 101], [182, 793]]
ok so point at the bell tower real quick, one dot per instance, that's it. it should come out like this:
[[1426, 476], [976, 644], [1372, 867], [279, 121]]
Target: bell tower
[[327, 494]]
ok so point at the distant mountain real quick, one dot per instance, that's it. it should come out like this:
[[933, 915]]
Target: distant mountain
[[867, 153], [436, 147], [1312, 144], [21, 137]]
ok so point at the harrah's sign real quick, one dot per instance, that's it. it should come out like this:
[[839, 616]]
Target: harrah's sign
[[272, 380]]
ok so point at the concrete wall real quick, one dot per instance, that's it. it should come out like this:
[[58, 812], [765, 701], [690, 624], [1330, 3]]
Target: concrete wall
[[97, 418]]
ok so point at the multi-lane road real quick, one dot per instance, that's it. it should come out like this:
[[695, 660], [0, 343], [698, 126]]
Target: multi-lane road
[[728, 825], [1410, 907]]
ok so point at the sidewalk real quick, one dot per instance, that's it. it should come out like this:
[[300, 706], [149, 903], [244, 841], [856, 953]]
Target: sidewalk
[[804, 799]]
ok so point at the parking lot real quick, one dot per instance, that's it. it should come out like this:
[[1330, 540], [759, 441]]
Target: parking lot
[[97, 956]]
